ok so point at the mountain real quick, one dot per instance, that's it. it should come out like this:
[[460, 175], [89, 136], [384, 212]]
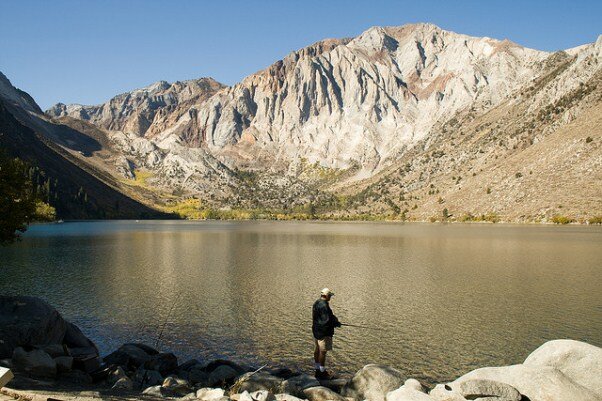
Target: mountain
[[76, 189], [411, 122]]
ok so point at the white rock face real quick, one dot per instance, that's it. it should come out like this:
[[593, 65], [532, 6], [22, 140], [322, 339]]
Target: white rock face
[[580, 362], [365, 99]]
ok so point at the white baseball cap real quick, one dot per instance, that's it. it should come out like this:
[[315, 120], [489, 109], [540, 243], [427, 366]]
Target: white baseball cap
[[326, 291]]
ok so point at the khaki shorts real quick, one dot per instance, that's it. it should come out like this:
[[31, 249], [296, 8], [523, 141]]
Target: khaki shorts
[[324, 344]]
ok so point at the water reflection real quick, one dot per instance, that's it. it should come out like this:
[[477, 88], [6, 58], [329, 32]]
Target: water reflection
[[445, 299]]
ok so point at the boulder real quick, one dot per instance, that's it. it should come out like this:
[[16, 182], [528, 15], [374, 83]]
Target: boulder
[[537, 383], [373, 382], [6, 375], [28, 321], [175, 387], [257, 381], [222, 375], [74, 338], [210, 394], [321, 393], [128, 356], [579, 361], [146, 348], [37, 363], [480, 388], [296, 384], [197, 375], [262, 395], [54, 350], [63, 363], [443, 392], [145, 377], [211, 366], [189, 364], [124, 383], [164, 363]]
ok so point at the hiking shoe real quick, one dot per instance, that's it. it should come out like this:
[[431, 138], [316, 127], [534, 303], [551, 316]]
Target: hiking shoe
[[324, 375]]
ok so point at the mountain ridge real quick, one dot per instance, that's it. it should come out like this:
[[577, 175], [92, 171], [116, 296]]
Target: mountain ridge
[[334, 117]]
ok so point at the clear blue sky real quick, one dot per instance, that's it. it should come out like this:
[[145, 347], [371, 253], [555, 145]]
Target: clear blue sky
[[88, 51]]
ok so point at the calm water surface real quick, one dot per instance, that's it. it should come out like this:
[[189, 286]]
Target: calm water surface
[[445, 298]]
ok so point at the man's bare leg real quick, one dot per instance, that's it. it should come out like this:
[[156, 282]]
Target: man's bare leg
[[317, 354], [322, 359]]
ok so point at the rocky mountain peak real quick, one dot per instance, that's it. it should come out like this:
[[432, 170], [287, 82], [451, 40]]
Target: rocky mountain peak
[[16, 97]]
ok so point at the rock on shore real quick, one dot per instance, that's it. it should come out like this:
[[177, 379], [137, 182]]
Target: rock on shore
[[559, 370]]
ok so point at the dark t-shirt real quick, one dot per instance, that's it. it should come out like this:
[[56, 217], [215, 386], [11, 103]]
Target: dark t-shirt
[[324, 321]]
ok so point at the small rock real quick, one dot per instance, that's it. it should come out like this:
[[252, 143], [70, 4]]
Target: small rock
[[153, 391], [222, 375], [164, 363], [175, 386], [63, 363], [36, 362], [124, 383], [146, 377], [321, 393], [189, 396], [209, 394], [263, 395]]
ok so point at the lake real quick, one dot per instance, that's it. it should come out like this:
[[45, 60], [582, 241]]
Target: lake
[[441, 299]]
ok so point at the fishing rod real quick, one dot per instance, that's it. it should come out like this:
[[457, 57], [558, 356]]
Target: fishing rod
[[360, 326]]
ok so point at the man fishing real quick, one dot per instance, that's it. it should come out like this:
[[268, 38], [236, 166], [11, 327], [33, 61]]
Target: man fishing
[[324, 323]]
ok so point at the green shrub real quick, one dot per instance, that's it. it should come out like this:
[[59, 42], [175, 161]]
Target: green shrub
[[558, 219], [595, 220]]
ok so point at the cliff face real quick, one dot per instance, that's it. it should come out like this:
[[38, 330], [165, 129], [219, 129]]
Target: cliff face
[[365, 99], [146, 111]]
